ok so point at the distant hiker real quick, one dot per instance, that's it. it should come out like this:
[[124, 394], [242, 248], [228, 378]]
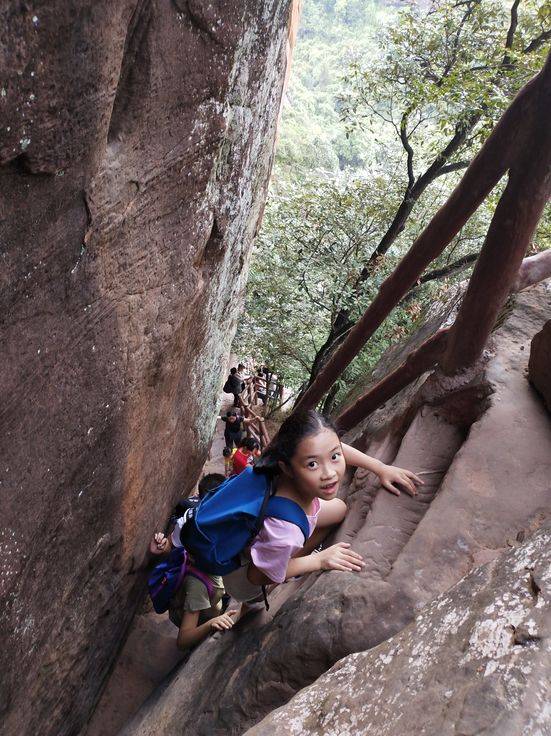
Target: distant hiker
[[272, 387], [233, 432], [260, 386], [234, 385], [244, 455], [287, 503], [228, 454]]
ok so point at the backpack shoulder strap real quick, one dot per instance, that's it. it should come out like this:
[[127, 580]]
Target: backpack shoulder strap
[[267, 495], [287, 510]]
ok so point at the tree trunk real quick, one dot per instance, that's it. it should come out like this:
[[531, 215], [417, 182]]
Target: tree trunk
[[500, 151], [413, 192]]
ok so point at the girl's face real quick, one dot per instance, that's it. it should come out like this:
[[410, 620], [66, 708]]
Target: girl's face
[[318, 466]]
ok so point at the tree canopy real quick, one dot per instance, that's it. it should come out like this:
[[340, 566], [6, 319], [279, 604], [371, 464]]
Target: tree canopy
[[375, 135]]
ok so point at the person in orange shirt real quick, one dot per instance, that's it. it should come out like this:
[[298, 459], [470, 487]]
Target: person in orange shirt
[[245, 455]]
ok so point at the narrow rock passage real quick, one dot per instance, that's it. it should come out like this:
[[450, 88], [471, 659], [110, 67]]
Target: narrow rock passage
[[150, 652], [485, 498]]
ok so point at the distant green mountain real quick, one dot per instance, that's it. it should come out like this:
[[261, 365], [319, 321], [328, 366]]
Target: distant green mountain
[[312, 136]]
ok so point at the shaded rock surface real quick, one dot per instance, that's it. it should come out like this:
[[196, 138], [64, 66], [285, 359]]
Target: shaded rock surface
[[149, 653], [135, 147], [482, 443], [477, 660], [539, 366]]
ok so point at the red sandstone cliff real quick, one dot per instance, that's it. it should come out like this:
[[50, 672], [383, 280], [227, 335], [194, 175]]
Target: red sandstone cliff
[[135, 148]]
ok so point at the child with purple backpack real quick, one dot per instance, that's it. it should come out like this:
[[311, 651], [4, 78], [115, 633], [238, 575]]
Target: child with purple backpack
[[193, 598]]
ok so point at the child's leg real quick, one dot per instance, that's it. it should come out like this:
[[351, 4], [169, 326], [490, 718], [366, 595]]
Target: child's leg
[[242, 590], [331, 514]]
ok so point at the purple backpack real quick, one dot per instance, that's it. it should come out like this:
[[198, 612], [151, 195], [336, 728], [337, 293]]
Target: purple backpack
[[168, 575]]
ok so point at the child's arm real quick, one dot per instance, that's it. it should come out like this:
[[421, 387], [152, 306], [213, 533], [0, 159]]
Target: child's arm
[[191, 634], [160, 545], [337, 557], [389, 475]]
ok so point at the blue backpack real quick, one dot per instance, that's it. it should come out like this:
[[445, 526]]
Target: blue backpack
[[167, 577], [228, 519]]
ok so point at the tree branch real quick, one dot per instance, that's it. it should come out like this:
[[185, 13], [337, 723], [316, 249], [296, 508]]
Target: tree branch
[[537, 42], [459, 265], [457, 166], [439, 273], [455, 44], [407, 146], [512, 26]]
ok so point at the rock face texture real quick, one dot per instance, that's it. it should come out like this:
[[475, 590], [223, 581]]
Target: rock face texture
[[475, 661], [136, 140], [149, 654], [482, 443], [539, 366]]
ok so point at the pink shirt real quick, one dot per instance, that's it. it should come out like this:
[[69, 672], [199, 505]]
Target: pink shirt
[[277, 542]]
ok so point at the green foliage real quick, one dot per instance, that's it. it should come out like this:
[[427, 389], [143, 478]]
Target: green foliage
[[352, 146], [306, 268], [440, 69]]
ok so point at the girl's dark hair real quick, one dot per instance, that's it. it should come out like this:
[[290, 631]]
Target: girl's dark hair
[[209, 483], [250, 444], [301, 424], [233, 371]]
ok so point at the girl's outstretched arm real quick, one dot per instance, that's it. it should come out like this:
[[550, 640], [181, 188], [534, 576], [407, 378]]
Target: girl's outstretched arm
[[337, 557], [389, 475]]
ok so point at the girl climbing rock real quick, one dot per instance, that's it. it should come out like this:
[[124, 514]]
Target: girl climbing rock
[[306, 463], [262, 526]]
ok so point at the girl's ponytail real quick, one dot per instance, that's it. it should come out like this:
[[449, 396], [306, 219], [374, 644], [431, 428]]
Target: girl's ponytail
[[301, 424], [268, 462]]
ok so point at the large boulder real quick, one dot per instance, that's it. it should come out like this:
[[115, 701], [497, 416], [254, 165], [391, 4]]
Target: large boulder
[[477, 660], [482, 443], [135, 149], [539, 365]]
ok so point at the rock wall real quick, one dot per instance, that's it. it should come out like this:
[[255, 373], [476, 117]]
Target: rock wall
[[539, 365], [475, 661], [482, 443], [136, 140]]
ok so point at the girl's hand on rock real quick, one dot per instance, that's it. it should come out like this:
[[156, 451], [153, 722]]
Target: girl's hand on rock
[[159, 544], [223, 622], [340, 557], [391, 477]]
